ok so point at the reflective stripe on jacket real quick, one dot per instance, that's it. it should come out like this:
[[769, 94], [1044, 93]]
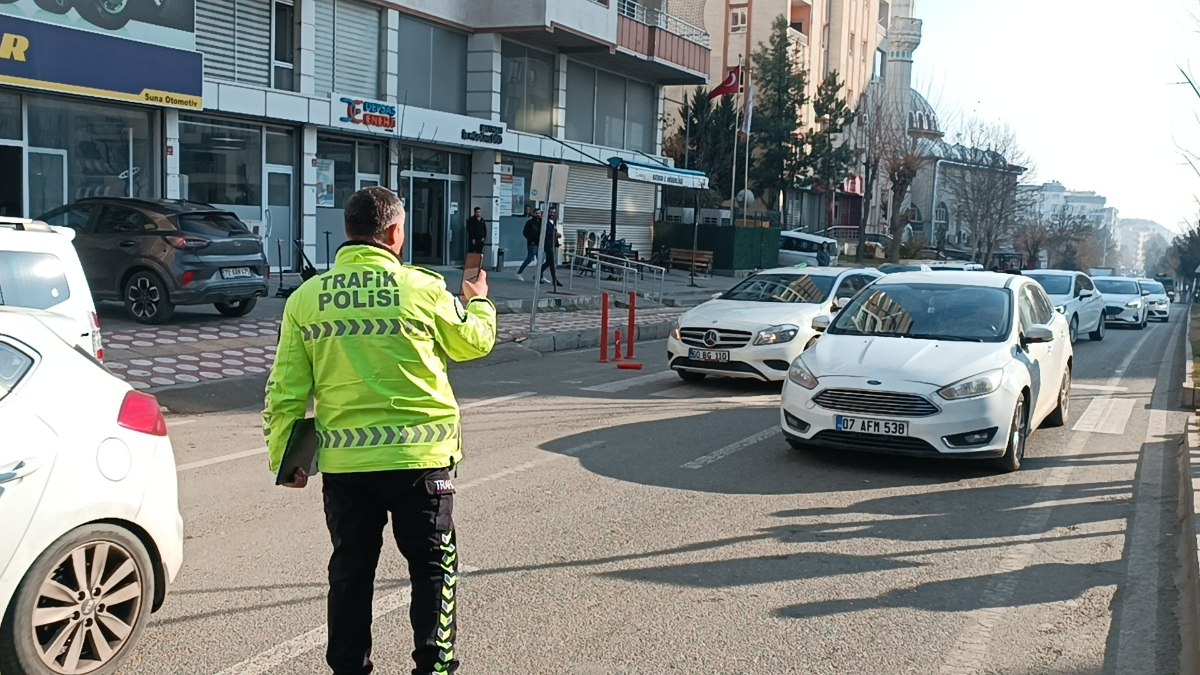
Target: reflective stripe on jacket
[[369, 341]]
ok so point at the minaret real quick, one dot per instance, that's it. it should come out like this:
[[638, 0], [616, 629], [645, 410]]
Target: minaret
[[904, 36]]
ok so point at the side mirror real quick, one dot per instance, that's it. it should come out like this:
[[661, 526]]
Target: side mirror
[[1086, 293], [1145, 293], [1038, 334], [716, 295], [820, 323]]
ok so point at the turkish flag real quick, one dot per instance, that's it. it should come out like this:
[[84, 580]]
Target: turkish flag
[[731, 85]]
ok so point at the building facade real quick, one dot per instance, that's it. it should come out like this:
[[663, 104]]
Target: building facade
[[298, 103]]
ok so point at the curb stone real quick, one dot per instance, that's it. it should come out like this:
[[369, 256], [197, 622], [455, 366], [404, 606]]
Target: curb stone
[[1189, 386]]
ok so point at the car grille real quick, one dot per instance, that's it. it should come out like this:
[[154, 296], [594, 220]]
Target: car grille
[[1113, 311], [726, 339], [886, 403], [895, 445]]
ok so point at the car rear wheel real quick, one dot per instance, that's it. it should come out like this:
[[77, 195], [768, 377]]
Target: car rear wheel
[[1074, 328], [1098, 334], [1018, 433], [1061, 413], [81, 607], [146, 298], [689, 376], [239, 308]]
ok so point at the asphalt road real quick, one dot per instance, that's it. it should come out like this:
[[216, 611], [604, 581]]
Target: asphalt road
[[624, 522]]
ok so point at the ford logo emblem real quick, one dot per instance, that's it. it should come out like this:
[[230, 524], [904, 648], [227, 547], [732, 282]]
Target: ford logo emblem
[[874, 382], [711, 338]]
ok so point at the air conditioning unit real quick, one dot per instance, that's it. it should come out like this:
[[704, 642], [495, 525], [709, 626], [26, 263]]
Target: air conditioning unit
[[715, 217], [681, 215]]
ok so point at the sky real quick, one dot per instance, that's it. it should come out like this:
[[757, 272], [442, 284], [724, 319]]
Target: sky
[[1091, 89]]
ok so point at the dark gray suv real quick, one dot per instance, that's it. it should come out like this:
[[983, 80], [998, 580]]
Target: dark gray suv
[[156, 254]]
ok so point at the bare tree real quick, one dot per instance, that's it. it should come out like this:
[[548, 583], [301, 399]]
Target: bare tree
[[1064, 233], [981, 176]]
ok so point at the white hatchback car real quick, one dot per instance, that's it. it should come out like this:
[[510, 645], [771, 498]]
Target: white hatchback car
[[1124, 301], [950, 364], [756, 328], [1158, 302], [40, 269], [1075, 297], [92, 535]]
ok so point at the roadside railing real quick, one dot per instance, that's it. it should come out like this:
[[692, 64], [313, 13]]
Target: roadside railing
[[632, 274]]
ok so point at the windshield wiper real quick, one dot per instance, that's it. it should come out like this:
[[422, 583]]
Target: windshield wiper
[[944, 338]]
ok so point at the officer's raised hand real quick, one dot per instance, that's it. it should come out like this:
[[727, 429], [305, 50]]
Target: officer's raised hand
[[477, 288]]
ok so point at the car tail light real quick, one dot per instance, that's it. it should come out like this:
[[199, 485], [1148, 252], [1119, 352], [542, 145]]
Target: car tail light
[[97, 342], [188, 277], [140, 412], [187, 243]]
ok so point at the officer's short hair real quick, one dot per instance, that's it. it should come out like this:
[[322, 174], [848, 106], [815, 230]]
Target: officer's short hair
[[371, 210]]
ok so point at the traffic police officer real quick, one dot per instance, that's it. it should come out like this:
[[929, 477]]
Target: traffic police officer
[[368, 339]]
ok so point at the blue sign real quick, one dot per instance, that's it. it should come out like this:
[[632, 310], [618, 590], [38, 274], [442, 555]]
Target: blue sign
[[54, 58]]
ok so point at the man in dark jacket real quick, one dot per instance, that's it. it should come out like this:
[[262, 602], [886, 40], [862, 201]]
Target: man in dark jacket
[[532, 232], [550, 243], [476, 231]]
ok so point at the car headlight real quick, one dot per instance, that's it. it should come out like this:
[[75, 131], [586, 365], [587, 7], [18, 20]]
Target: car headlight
[[775, 335], [675, 330], [974, 386], [801, 375], [1134, 304]]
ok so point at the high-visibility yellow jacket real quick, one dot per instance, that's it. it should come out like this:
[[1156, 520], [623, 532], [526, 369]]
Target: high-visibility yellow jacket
[[368, 340]]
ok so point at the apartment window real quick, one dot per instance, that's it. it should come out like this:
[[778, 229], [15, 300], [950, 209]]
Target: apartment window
[[608, 109], [283, 45], [850, 44], [737, 20], [235, 38], [348, 39], [527, 89], [864, 51], [885, 13], [422, 45]]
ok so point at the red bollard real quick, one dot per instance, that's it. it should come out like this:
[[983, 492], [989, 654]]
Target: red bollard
[[632, 324], [604, 328], [617, 346]]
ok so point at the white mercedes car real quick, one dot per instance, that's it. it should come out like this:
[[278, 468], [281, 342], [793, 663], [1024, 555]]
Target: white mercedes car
[[91, 533], [1124, 301], [758, 327], [949, 364], [1075, 296], [1158, 303]]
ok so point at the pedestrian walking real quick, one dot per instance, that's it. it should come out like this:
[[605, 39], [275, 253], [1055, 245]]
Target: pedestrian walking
[[551, 243], [532, 232], [476, 231], [367, 340]]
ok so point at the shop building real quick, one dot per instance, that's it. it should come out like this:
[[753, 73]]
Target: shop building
[[448, 103]]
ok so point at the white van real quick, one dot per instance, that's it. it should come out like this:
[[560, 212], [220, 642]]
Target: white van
[[797, 247], [39, 269]]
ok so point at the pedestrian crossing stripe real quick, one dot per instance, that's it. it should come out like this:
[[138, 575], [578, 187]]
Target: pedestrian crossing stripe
[[320, 330], [372, 437]]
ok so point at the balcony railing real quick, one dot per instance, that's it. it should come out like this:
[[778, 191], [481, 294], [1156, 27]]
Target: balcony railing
[[659, 19]]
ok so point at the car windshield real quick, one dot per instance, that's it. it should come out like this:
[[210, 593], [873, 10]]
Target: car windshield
[[803, 288], [952, 312], [214, 224], [1053, 284], [1154, 287], [1118, 286]]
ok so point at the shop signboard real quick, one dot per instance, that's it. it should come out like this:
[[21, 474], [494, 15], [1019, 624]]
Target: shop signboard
[[361, 114], [165, 23], [52, 57]]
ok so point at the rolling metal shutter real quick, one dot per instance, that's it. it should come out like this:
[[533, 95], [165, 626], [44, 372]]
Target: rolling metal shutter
[[589, 201], [348, 47], [235, 38]]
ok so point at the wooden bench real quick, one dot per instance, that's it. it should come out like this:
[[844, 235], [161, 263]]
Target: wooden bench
[[695, 260]]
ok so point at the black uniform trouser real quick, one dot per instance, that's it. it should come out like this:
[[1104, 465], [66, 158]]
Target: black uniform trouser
[[549, 264], [421, 504]]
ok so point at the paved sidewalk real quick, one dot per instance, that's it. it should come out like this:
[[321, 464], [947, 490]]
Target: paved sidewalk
[[150, 358]]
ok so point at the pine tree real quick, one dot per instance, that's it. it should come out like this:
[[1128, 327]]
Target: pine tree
[[830, 156], [779, 82], [707, 148]]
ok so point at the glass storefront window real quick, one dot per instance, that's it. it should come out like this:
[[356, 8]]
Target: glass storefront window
[[221, 163], [342, 155], [355, 165], [281, 147], [83, 149], [10, 116], [370, 160], [433, 161]]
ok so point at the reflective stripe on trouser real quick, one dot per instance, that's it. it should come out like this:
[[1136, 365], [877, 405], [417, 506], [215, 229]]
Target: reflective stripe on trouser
[[446, 626], [370, 437], [319, 330]]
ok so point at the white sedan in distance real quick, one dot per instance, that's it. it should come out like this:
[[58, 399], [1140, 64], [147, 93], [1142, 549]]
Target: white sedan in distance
[[1075, 296], [941, 364], [755, 329], [1158, 302], [1124, 301], [92, 534]]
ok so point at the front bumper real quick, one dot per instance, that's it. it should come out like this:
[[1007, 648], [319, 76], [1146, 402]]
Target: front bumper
[[1123, 314], [1159, 310], [764, 362], [806, 422]]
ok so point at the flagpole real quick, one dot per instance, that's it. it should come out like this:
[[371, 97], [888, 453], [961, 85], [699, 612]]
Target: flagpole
[[749, 120], [737, 129]]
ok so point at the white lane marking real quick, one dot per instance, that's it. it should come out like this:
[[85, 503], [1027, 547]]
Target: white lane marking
[[1099, 387], [701, 462], [315, 638], [623, 385], [493, 401], [970, 651], [180, 423], [306, 642], [1105, 415], [198, 464]]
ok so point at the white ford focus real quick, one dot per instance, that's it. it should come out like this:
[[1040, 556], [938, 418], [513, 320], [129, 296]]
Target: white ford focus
[[90, 530], [955, 364], [756, 328]]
